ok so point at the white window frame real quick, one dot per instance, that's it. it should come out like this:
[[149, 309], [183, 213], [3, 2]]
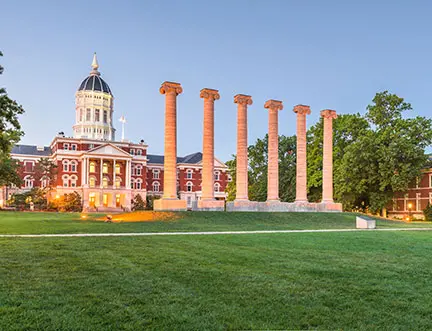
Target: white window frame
[[189, 174], [154, 185], [139, 152], [189, 187], [66, 146], [138, 184], [217, 175], [138, 170], [65, 180], [73, 181], [105, 182], [28, 181], [65, 165], [217, 187], [156, 173], [418, 199], [92, 181]]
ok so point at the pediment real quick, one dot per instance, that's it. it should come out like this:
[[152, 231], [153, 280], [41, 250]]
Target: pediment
[[217, 164], [108, 150]]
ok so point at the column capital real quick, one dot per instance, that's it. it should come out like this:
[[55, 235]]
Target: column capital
[[170, 87], [243, 99], [273, 104], [328, 113], [302, 110], [208, 93]]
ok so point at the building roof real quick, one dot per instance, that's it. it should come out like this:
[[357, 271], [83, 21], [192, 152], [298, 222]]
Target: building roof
[[190, 159], [31, 150], [94, 82]]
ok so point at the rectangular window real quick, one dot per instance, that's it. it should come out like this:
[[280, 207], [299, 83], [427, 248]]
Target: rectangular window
[[105, 116], [66, 147], [88, 115], [74, 147], [28, 166], [155, 174], [81, 115], [132, 152], [139, 152], [97, 115]]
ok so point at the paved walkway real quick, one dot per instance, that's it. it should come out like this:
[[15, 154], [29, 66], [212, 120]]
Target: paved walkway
[[144, 234]]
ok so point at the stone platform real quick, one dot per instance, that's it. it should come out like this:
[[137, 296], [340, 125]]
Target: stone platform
[[210, 205], [276, 206], [169, 205]]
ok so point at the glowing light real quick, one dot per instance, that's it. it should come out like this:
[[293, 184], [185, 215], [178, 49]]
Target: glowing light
[[57, 196], [83, 216], [410, 205]]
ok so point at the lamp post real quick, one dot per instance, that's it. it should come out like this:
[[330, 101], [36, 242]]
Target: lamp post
[[409, 211]]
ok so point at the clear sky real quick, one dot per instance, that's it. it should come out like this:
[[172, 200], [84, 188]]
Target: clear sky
[[326, 54]]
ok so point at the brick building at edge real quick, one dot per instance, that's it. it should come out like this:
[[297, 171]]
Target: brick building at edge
[[106, 172]]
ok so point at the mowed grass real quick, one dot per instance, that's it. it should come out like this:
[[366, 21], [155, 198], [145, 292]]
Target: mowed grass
[[352, 280], [49, 223]]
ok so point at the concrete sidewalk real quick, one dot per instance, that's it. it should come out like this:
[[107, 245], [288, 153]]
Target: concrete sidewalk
[[145, 234]]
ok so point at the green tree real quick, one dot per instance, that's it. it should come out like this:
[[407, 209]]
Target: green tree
[[257, 172], [138, 203], [347, 129], [388, 157], [10, 134], [46, 169]]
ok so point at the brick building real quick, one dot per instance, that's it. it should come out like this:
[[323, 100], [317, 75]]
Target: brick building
[[107, 173], [414, 201]]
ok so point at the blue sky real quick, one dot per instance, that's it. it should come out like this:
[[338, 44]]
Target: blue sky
[[326, 54]]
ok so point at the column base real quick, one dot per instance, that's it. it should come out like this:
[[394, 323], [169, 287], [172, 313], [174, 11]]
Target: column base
[[211, 205], [329, 206], [170, 205]]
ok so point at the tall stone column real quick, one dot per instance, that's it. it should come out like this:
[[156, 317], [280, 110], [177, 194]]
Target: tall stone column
[[273, 150], [207, 183], [242, 102], [169, 199], [327, 185], [301, 164]]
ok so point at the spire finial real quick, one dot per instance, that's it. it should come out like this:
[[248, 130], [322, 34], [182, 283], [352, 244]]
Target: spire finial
[[95, 66]]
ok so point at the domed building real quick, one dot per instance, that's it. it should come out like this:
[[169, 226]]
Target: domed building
[[106, 172], [94, 107]]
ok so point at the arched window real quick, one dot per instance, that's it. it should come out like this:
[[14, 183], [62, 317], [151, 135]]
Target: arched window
[[156, 187], [105, 168], [132, 183], [156, 173], [229, 178], [44, 181], [138, 184], [92, 181], [105, 182], [138, 170], [189, 186], [28, 181], [216, 175], [117, 182], [217, 187], [139, 152], [117, 169], [189, 173], [73, 181], [65, 179], [73, 166], [92, 167], [65, 165]]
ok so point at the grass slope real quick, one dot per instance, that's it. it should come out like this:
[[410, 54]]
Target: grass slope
[[356, 280], [31, 223]]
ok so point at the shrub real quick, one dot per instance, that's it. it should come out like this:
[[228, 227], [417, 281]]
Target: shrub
[[428, 213], [138, 203], [149, 201]]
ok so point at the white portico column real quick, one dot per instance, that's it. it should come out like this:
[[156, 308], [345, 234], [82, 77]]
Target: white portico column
[[83, 171], [114, 174], [101, 172], [128, 174]]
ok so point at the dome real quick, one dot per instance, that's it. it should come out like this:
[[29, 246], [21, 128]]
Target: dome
[[94, 83]]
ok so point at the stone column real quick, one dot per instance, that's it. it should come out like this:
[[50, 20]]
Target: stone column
[[207, 183], [327, 185], [301, 163], [101, 173], [242, 102], [171, 90], [169, 199], [114, 174], [273, 150]]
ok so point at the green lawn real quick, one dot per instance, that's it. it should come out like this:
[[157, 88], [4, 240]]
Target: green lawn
[[355, 280], [350, 280], [31, 223]]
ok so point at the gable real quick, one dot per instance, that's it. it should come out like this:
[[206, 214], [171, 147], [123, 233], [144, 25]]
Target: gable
[[108, 150]]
